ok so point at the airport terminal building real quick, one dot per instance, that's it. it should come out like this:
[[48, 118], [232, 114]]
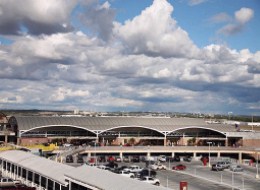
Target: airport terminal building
[[128, 131]]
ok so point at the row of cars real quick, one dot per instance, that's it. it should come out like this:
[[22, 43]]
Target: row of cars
[[147, 175], [134, 158], [220, 166]]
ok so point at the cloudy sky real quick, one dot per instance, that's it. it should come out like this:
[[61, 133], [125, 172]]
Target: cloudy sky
[[131, 55]]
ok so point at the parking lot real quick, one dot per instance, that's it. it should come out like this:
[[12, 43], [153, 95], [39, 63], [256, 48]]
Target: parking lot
[[198, 176]]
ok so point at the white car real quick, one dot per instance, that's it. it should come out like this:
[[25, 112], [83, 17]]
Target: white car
[[127, 174], [133, 169], [158, 166], [150, 180], [162, 158]]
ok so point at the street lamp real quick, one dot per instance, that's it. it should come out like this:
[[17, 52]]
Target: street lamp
[[257, 175], [209, 152]]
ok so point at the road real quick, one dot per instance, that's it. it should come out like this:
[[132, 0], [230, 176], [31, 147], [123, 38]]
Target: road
[[201, 177]]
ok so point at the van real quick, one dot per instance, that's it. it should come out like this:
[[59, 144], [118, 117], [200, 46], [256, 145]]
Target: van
[[224, 164], [6, 182]]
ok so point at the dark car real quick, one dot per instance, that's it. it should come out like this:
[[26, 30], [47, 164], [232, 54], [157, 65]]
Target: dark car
[[187, 159], [217, 167], [102, 159], [80, 159], [146, 172], [69, 159], [173, 159], [112, 165], [176, 159], [179, 167], [136, 159]]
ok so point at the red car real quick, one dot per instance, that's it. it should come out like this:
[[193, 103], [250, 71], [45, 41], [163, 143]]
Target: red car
[[179, 167]]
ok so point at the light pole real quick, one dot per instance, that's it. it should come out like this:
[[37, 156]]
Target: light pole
[[95, 153], [257, 175], [209, 152], [252, 122]]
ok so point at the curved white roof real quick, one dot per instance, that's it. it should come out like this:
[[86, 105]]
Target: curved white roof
[[106, 123]]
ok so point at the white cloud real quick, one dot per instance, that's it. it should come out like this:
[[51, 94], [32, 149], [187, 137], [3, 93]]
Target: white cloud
[[153, 65], [156, 33], [244, 15], [35, 15]]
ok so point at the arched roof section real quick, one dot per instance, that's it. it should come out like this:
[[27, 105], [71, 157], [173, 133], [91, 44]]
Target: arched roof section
[[100, 124], [132, 128], [41, 128], [197, 127]]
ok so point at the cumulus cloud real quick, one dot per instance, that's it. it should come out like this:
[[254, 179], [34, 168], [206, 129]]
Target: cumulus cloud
[[149, 64], [35, 16], [98, 18], [156, 33], [241, 17], [244, 15]]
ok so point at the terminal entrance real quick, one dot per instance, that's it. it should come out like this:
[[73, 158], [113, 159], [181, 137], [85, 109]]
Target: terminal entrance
[[131, 136], [196, 137]]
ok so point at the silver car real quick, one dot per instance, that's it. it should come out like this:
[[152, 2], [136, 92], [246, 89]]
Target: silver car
[[236, 168]]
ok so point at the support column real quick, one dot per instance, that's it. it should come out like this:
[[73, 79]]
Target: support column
[[226, 142], [165, 140], [218, 155], [46, 183], [194, 155], [173, 154], [240, 157], [121, 155]]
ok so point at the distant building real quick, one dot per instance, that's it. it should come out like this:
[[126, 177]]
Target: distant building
[[162, 131]]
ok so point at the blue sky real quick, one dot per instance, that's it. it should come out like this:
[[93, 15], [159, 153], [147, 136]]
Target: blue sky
[[128, 55]]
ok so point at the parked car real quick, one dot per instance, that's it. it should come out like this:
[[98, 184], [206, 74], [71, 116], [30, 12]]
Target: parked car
[[162, 158], [173, 159], [150, 180], [110, 159], [6, 182], [236, 168], [69, 159], [118, 159], [135, 159], [146, 172], [158, 166], [126, 174], [224, 164], [126, 159], [187, 158], [80, 159], [112, 165], [101, 159], [217, 167], [179, 167], [150, 158], [134, 169]]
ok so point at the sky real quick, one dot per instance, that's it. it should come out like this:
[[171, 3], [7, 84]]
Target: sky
[[196, 56]]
